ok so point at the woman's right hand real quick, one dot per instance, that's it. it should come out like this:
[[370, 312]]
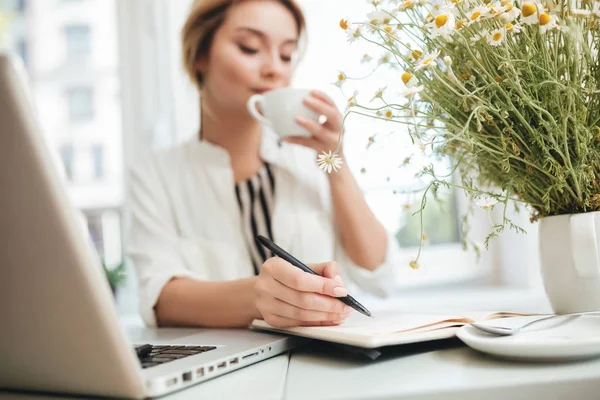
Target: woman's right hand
[[287, 296]]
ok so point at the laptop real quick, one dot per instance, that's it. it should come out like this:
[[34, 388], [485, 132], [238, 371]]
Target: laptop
[[60, 330]]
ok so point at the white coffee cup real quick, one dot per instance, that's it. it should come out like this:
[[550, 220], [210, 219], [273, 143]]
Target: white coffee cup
[[280, 107]]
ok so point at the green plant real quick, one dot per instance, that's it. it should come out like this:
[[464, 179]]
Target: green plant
[[115, 274], [509, 92]]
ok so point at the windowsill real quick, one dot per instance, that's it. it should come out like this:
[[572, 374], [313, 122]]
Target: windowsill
[[466, 297]]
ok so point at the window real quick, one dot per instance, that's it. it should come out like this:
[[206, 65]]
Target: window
[[78, 42], [375, 150], [66, 155], [94, 222], [22, 51], [98, 156], [67, 92], [442, 259], [80, 104], [20, 5]]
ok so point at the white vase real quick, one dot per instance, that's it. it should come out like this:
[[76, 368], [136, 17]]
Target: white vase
[[570, 263]]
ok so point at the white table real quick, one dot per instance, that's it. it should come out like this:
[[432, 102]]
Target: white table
[[443, 370], [437, 372]]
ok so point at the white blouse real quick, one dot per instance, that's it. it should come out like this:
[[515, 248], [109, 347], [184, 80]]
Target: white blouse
[[186, 220]]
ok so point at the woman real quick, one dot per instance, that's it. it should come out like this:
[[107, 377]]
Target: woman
[[196, 208]]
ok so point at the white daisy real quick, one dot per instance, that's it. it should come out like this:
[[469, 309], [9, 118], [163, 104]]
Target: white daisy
[[460, 23], [385, 58], [530, 12], [341, 79], [345, 24], [516, 28], [548, 22], [416, 54], [329, 161], [377, 18], [510, 13], [351, 101], [409, 80], [495, 9], [406, 5], [353, 34], [443, 25], [366, 58], [496, 37], [427, 60], [485, 201], [478, 13], [411, 91], [379, 93], [388, 113], [437, 4]]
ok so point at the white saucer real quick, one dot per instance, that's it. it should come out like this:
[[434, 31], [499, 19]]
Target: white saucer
[[565, 340]]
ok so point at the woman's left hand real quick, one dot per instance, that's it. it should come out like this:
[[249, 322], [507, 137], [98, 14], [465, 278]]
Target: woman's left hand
[[324, 136]]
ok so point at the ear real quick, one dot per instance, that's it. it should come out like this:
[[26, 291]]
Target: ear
[[201, 65]]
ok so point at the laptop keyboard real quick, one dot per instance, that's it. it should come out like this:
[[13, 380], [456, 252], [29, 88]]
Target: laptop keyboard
[[162, 354]]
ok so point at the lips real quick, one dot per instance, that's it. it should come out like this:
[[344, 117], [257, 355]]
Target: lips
[[262, 90]]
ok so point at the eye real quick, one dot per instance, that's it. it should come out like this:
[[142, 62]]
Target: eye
[[247, 50], [286, 59]]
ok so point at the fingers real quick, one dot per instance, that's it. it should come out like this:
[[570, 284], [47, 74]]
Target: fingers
[[282, 322], [323, 97], [327, 269], [297, 279], [280, 308], [320, 106], [318, 131], [287, 296], [304, 300]]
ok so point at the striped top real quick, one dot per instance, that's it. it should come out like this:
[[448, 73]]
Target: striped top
[[255, 197]]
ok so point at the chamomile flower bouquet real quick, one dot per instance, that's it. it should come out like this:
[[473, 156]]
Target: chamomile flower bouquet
[[508, 91]]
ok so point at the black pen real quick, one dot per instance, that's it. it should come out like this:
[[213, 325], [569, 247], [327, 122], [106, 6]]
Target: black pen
[[278, 251]]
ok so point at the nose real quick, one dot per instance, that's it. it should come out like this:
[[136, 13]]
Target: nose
[[272, 67]]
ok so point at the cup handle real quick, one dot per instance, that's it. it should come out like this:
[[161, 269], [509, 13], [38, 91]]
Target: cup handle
[[584, 245], [252, 101]]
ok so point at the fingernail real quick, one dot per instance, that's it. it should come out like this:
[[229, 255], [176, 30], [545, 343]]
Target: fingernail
[[300, 120], [340, 292], [339, 279]]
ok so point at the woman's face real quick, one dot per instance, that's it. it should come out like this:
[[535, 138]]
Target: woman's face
[[251, 53]]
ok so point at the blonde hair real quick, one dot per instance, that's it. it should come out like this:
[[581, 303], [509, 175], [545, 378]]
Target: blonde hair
[[203, 21]]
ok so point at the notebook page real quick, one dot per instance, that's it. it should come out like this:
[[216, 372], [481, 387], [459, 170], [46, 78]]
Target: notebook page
[[383, 323], [386, 322]]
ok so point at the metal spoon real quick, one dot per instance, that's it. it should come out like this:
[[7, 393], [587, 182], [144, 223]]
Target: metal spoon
[[502, 331]]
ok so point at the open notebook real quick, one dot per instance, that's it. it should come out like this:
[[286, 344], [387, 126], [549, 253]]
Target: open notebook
[[388, 328]]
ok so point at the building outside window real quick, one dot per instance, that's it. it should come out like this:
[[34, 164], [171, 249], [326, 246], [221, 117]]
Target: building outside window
[[98, 158], [80, 102], [68, 92], [78, 42], [67, 154], [22, 51]]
